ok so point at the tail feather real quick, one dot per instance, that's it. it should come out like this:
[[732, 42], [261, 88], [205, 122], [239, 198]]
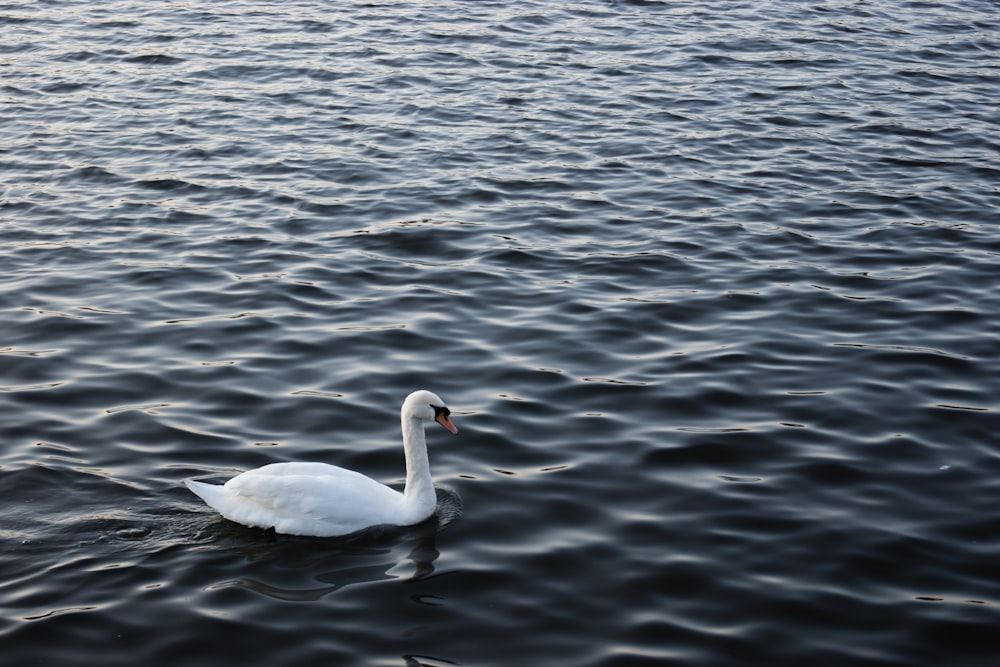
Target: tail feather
[[210, 493]]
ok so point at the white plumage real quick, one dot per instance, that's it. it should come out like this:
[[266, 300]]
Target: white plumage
[[324, 500]]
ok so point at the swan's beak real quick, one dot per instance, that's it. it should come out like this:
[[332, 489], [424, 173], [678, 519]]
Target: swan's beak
[[442, 419]]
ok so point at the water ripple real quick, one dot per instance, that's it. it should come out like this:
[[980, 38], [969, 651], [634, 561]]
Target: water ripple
[[710, 290]]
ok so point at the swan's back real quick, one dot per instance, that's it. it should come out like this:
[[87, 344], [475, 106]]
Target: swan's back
[[304, 499]]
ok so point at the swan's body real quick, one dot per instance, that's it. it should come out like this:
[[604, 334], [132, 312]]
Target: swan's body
[[323, 500]]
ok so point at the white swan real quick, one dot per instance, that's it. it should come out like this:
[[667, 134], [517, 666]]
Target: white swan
[[322, 500]]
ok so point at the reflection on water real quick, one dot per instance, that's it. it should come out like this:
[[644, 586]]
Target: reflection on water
[[422, 556], [302, 553]]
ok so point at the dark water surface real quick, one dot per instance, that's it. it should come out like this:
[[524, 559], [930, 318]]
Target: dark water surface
[[711, 288]]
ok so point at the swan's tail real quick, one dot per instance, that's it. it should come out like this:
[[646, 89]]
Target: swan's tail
[[210, 493]]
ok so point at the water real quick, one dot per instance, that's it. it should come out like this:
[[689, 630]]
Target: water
[[711, 289]]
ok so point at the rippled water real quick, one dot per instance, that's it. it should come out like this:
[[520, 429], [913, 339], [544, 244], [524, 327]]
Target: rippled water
[[711, 288]]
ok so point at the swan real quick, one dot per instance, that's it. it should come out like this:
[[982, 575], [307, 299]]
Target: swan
[[322, 500]]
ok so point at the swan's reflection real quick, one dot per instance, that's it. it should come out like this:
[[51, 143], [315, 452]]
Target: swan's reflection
[[366, 557]]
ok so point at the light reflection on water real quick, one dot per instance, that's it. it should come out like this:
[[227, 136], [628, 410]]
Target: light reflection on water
[[709, 288]]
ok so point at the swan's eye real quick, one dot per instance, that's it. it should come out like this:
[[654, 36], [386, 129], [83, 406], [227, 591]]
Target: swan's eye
[[440, 410]]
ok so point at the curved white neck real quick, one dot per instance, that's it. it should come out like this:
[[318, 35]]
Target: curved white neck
[[419, 495]]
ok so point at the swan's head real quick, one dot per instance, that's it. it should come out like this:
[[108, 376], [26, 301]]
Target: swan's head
[[428, 405]]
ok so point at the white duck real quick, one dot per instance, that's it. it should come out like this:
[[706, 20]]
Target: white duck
[[322, 500]]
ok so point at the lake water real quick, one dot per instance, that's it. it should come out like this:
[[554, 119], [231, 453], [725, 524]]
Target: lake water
[[711, 288]]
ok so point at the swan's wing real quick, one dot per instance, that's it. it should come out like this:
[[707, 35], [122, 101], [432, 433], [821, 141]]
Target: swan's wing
[[307, 499]]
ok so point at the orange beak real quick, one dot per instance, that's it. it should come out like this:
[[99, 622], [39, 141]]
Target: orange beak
[[442, 419]]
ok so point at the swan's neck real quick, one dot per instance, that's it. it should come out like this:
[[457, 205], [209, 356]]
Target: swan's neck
[[419, 495]]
